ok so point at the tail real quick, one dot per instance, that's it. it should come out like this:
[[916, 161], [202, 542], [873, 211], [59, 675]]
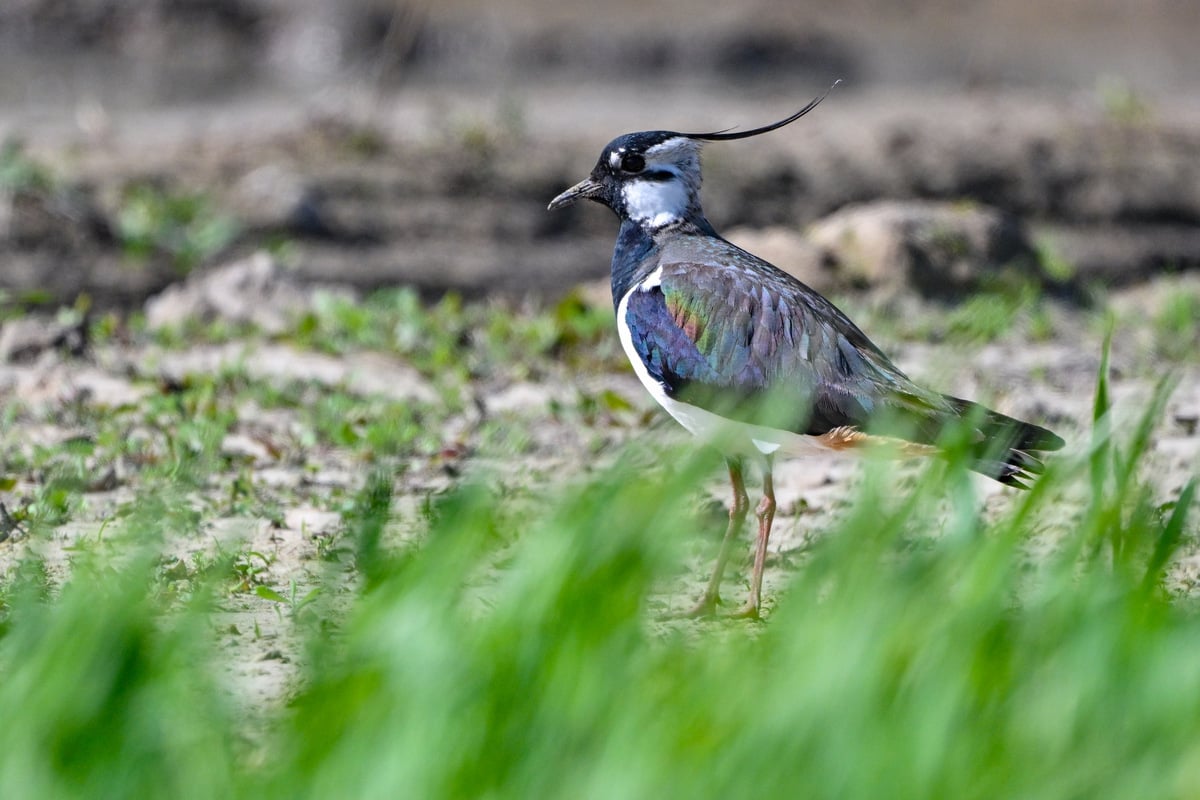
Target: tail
[[1006, 448]]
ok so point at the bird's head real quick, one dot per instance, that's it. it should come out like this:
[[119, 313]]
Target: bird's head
[[653, 177]]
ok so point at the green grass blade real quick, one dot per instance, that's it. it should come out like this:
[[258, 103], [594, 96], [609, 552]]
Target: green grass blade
[[1101, 408], [1170, 537]]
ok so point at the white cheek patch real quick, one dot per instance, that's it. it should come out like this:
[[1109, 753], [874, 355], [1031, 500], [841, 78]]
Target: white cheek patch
[[656, 203]]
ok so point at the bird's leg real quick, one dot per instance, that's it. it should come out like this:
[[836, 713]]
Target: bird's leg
[[737, 515], [766, 515]]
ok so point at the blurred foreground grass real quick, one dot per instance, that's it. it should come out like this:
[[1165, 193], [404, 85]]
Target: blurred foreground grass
[[515, 652]]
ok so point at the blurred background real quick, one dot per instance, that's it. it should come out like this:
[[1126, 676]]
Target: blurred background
[[281, 302], [417, 143]]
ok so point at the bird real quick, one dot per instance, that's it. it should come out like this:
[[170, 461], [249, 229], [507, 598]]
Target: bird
[[750, 359]]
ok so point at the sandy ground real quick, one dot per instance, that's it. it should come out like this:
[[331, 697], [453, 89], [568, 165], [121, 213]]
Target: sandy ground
[[303, 546], [430, 165]]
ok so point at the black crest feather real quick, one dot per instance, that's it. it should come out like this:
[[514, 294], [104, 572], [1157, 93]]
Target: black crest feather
[[729, 134]]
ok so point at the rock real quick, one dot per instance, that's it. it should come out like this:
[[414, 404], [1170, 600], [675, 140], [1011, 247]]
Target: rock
[[254, 290], [312, 521], [1187, 421], [940, 249], [1181, 454], [595, 294], [240, 447], [1184, 407], [61, 219], [57, 243], [272, 198], [50, 384], [523, 398], [97, 388], [25, 338], [359, 373], [1120, 254], [792, 253], [104, 479]]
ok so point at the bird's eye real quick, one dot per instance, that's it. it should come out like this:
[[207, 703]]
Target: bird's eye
[[633, 163]]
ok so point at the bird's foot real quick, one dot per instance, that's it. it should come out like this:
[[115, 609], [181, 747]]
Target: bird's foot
[[707, 607], [748, 611]]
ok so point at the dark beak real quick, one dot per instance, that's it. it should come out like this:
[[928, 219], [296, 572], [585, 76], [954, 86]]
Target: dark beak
[[586, 188]]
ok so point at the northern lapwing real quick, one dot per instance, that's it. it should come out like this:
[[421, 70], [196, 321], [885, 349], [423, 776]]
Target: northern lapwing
[[750, 359]]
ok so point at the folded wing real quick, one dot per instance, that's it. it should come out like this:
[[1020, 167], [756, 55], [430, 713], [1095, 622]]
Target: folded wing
[[760, 347]]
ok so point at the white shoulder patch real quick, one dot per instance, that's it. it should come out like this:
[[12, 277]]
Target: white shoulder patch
[[652, 281]]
